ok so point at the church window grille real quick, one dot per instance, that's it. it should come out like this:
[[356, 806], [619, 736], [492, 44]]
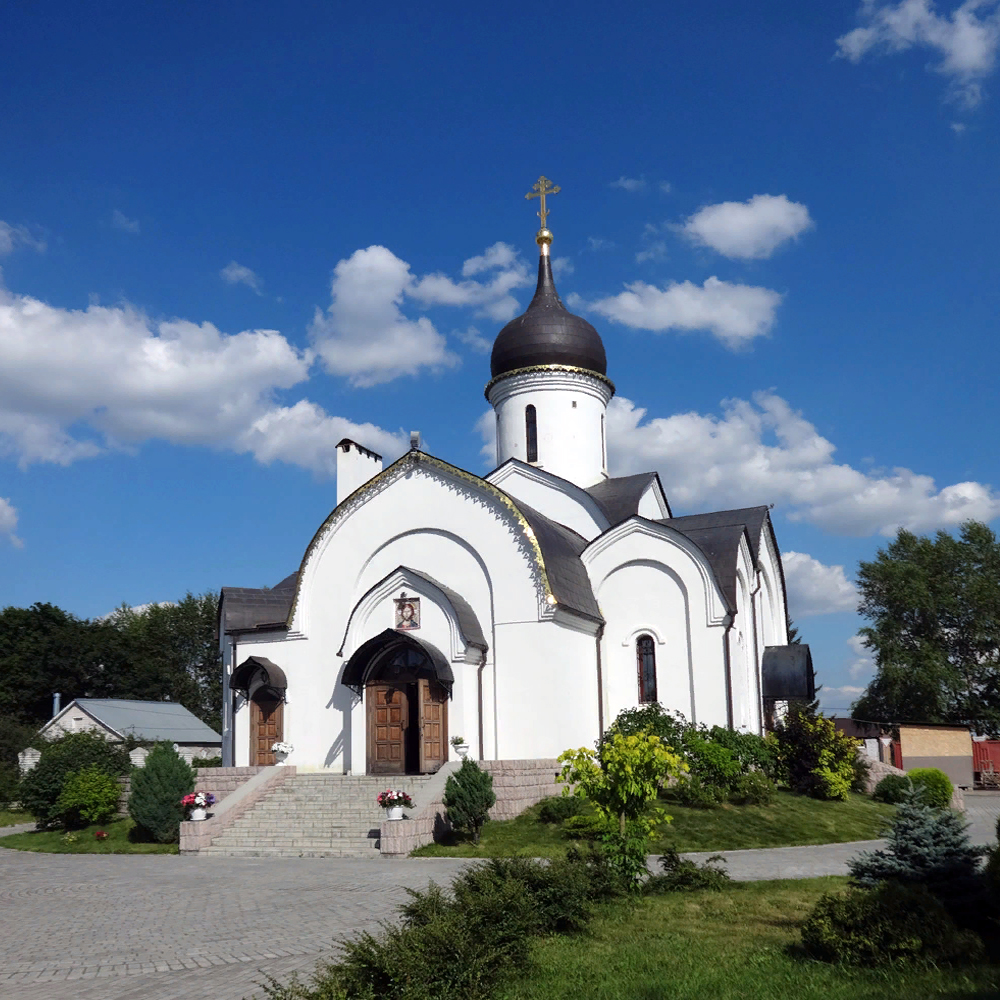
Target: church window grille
[[531, 430], [645, 653]]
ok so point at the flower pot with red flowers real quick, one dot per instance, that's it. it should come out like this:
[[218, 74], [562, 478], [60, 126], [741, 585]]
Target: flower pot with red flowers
[[394, 802], [196, 804]]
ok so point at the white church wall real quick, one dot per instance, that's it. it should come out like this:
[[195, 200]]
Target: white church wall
[[693, 607], [652, 503], [546, 690], [570, 410], [775, 613], [555, 498]]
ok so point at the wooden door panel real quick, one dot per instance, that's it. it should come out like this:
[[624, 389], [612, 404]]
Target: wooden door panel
[[433, 706], [388, 708], [266, 729]]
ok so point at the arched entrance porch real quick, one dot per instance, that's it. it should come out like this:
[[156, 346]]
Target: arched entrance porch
[[267, 705], [405, 683]]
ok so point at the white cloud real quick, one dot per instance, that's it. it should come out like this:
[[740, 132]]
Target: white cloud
[[863, 663], [749, 230], [655, 251], [712, 462], [304, 434], [958, 127], [814, 588], [562, 266], [471, 337], [598, 243], [733, 313], [486, 428], [666, 187], [965, 39], [121, 221], [74, 383], [12, 237], [237, 274], [364, 335], [491, 298], [8, 523], [634, 185]]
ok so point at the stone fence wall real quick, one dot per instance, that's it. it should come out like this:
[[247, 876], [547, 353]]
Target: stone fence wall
[[518, 784]]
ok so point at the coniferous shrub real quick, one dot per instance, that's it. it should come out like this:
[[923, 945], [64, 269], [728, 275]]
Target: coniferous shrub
[[678, 874], [892, 789], [88, 796], [468, 798], [936, 786], [157, 790], [927, 847], [558, 808], [43, 784], [889, 923], [754, 789]]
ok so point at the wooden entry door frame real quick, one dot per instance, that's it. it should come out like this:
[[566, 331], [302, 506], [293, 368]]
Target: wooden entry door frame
[[267, 718], [407, 727], [432, 702]]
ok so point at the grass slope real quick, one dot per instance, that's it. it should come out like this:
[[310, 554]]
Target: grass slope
[[792, 820], [739, 944], [120, 834]]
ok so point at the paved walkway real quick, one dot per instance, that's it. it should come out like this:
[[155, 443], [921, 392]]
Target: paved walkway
[[162, 927]]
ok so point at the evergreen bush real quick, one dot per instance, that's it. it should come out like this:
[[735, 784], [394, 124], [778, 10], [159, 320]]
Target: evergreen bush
[[889, 923], [680, 875], [927, 847], [818, 760], [88, 796], [468, 798], [587, 826], [43, 784], [862, 773], [754, 789], [892, 789], [558, 808], [936, 786], [157, 790], [206, 762]]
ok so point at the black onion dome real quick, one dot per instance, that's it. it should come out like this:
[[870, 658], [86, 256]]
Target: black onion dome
[[547, 334]]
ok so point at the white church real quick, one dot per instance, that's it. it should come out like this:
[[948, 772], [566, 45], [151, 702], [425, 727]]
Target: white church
[[522, 610]]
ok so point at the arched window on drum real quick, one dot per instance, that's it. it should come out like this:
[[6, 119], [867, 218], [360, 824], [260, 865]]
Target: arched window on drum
[[645, 654], [531, 432]]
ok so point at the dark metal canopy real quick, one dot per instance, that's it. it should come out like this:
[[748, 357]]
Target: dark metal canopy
[[787, 673], [547, 334], [380, 649], [244, 674]]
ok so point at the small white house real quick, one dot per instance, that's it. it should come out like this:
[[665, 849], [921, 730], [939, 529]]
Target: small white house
[[118, 718], [521, 610]]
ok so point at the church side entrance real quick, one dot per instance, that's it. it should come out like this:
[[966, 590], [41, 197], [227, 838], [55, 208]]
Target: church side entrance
[[266, 726], [406, 716]]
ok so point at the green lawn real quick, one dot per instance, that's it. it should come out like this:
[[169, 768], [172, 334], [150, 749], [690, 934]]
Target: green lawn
[[13, 817], [790, 821], [84, 842], [739, 944]]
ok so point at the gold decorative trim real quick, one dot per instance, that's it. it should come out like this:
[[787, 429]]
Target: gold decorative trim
[[570, 369], [413, 458]]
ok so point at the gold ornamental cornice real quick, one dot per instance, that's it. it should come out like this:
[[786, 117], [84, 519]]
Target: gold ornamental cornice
[[569, 369], [382, 480]]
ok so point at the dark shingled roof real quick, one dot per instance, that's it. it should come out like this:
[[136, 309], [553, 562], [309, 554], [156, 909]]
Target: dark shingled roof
[[561, 548], [255, 607], [547, 334], [718, 535], [619, 498], [468, 623]]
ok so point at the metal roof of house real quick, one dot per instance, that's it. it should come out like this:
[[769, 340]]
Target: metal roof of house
[[148, 720]]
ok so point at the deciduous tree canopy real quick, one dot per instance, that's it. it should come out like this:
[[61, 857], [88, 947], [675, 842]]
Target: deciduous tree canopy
[[934, 608]]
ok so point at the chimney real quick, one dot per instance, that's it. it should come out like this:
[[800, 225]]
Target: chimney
[[355, 466], [56, 704], [414, 440]]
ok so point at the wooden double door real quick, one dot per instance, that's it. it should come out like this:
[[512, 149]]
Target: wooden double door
[[407, 726]]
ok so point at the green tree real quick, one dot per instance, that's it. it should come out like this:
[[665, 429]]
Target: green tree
[[469, 797], [934, 608], [157, 790]]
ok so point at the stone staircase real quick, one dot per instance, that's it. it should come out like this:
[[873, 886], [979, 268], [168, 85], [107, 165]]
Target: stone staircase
[[315, 815]]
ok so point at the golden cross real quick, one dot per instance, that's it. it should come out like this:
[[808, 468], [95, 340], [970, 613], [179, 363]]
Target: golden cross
[[540, 190]]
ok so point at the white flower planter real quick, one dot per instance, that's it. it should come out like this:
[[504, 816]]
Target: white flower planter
[[279, 757], [463, 750], [198, 813], [394, 812]]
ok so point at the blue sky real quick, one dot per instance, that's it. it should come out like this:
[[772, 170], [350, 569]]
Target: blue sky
[[231, 234]]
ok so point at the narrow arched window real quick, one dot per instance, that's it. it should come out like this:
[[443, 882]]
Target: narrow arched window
[[645, 654], [531, 433]]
